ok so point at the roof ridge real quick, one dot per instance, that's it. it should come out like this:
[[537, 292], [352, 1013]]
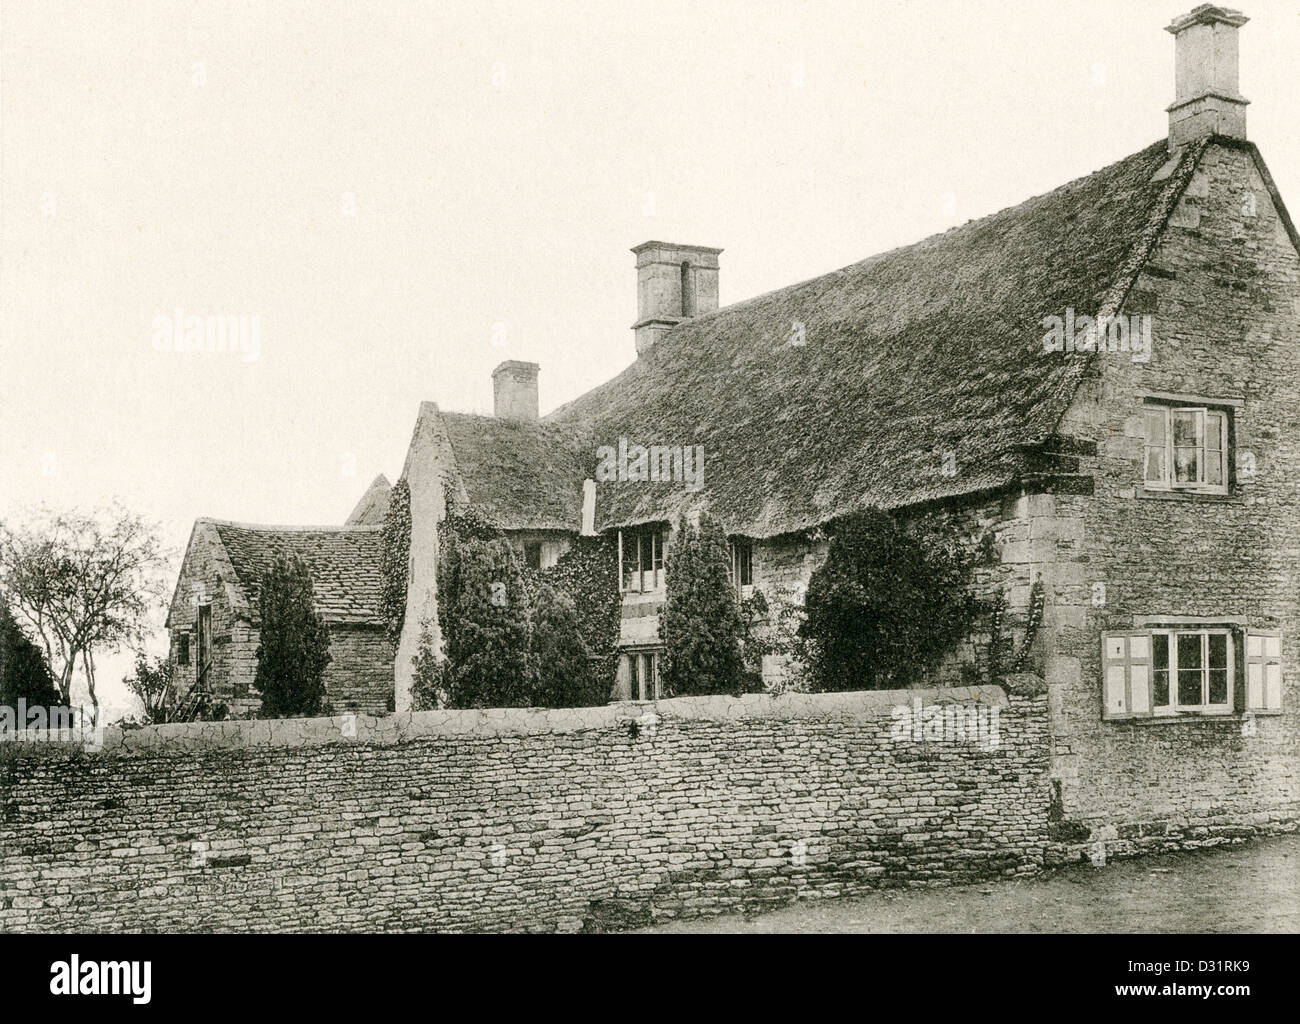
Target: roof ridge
[[345, 528], [967, 225]]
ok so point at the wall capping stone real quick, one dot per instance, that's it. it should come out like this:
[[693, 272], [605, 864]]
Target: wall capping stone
[[404, 727]]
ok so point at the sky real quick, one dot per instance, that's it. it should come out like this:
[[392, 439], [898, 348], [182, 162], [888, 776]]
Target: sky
[[406, 194]]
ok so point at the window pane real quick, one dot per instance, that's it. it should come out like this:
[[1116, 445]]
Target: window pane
[[1160, 689], [1214, 432], [1155, 468], [1189, 687], [1218, 686], [1214, 468], [1160, 670], [1160, 650], [1218, 650], [1185, 465], [1185, 429], [1155, 418], [1189, 650]]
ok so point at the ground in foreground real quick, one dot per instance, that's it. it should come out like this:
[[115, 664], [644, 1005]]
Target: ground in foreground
[[1254, 887]]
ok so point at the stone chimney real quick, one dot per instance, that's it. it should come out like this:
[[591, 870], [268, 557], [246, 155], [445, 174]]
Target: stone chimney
[[1205, 75], [673, 283], [514, 391]]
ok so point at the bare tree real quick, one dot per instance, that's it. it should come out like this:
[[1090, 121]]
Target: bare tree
[[85, 584]]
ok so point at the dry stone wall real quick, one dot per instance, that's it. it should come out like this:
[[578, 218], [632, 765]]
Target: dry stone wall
[[521, 820]]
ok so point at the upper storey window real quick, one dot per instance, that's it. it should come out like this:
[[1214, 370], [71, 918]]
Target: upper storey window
[[1186, 448]]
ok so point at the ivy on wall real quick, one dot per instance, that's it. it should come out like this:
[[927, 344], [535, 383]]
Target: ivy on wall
[[887, 605], [395, 559], [572, 610], [588, 573]]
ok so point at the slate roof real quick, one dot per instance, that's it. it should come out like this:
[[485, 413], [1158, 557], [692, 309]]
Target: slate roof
[[343, 560], [926, 350]]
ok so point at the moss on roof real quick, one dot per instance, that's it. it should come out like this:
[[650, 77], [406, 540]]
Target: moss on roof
[[907, 357], [519, 475]]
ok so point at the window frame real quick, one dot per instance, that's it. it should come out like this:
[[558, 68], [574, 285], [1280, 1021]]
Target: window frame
[[1205, 707], [741, 558], [641, 551], [1204, 414]]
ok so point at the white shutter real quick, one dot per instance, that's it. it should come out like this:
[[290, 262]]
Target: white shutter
[[1126, 674], [1263, 670]]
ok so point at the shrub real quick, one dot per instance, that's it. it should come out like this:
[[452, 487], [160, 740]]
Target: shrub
[[151, 682], [484, 614], [564, 670], [700, 625], [428, 688], [885, 607], [295, 643], [23, 671]]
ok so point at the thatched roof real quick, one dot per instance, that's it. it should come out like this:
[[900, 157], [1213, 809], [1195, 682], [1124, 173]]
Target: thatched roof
[[931, 349], [521, 476], [343, 561]]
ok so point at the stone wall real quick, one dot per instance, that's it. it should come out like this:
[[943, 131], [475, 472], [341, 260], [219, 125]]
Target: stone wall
[[525, 820], [1221, 286], [360, 676]]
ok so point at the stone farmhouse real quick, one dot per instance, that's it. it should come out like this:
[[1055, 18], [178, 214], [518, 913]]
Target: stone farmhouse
[[213, 618], [1101, 383]]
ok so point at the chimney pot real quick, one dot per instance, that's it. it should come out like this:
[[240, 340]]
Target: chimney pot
[[514, 391], [1206, 100], [673, 283]]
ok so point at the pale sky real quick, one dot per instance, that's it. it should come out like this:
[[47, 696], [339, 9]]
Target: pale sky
[[384, 183]]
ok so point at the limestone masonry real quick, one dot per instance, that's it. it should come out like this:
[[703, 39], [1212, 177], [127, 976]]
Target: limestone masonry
[[515, 820]]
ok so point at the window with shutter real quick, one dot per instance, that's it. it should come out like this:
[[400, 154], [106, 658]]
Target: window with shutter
[[1168, 672], [1263, 670]]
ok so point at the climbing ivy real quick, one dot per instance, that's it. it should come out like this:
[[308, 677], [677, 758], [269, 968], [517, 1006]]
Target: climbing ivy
[[579, 593], [888, 604], [588, 574], [395, 559], [1002, 654]]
